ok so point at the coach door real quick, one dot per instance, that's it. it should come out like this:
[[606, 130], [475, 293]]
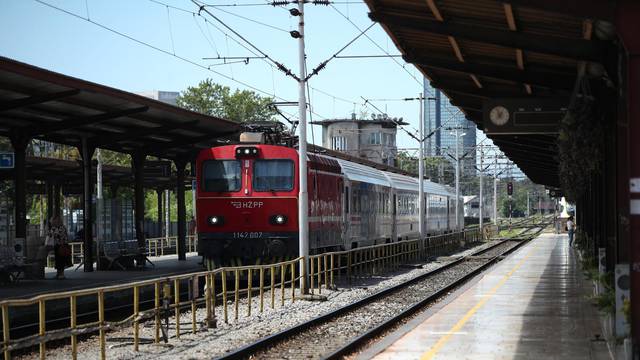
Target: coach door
[[394, 219], [346, 210]]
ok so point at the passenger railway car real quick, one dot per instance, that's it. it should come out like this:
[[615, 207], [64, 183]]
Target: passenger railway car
[[247, 198]]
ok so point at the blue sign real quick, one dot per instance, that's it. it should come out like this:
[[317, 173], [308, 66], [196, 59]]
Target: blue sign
[[7, 160]]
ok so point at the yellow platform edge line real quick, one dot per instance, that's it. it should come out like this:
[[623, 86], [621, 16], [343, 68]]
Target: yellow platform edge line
[[428, 355]]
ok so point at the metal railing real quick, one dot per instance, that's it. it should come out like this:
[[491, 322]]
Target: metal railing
[[159, 246], [160, 299]]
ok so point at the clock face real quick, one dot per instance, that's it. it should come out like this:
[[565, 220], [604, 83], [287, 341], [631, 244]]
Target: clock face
[[499, 115]]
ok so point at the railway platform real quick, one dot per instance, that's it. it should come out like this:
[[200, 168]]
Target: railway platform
[[533, 305], [166, 265]]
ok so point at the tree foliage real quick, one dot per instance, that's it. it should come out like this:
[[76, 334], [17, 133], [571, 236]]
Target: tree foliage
[[218, 100]]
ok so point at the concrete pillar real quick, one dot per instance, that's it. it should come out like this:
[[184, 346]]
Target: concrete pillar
[[86, 151], [138, 160], [19, 141], [182, 211]]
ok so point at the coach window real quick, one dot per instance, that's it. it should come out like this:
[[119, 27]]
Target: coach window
[[273, 175], [221, 175]]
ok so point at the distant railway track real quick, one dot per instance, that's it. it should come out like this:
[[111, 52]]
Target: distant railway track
[[340, 332]]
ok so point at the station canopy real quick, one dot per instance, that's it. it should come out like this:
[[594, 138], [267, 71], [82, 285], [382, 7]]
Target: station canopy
[[45, 105], [475, 50]]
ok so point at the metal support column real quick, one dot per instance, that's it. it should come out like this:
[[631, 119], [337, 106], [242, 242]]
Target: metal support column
[[138, 160], [160, 194], [421, 207], [303, 196], [86, 152], [628, 29], [19, 141], [182, 211], [56, 200], [49, 190]]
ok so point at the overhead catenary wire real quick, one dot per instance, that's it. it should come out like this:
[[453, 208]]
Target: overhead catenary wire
[[143, 43], [256, 55], [323, 64], [253, 21], [279, 65]]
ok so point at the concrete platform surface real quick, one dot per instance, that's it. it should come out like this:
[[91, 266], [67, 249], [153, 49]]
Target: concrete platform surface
[[532, 305], [78, 279]]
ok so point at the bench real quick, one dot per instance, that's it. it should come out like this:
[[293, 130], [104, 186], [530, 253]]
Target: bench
[[122, 254]]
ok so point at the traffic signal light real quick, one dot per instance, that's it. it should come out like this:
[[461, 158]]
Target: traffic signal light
[[509, 188]]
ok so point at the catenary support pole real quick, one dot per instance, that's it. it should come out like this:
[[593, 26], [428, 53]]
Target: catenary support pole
[[99, 205], [457, 179], [303, 196], [481, 205], [495, 192], [421, 172]]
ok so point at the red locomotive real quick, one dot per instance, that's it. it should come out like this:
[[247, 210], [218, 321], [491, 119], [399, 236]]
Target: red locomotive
[[247, 198]]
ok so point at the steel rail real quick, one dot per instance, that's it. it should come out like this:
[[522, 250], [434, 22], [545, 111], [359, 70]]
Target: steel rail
[[357, 342], [250, 349]]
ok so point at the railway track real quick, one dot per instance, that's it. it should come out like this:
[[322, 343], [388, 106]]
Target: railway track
[[340, 332]]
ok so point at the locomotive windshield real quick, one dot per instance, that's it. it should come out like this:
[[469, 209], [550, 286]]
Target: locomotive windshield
[[272, 175], [221, 175]]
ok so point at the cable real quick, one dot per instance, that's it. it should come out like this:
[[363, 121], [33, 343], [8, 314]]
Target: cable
[[254, 21], [210, 41], [140, 42], [376, 44], [173, 46], [280, 66], [324, 63]]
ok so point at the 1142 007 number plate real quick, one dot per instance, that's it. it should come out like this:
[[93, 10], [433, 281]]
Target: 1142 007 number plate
[[247, 235]]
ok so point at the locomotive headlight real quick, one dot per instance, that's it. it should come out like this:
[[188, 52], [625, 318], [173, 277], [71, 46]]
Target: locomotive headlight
[[278, 219], [216, 220]]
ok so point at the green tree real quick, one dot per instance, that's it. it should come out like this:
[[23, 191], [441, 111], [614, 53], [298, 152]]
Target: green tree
[[217, 100]]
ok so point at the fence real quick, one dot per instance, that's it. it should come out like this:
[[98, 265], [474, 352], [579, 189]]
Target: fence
[[155, 247], [276, 284]]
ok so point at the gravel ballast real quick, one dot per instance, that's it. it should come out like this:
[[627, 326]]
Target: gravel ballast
[[210, 343]]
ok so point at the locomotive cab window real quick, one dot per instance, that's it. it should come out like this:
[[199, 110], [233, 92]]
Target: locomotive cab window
[[273, 175], [221, 175]]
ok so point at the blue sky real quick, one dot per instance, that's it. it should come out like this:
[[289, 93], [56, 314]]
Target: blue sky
[[40, 35]]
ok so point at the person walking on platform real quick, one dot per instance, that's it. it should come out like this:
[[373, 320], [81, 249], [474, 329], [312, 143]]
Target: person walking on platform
[[61, 250], [571, 228]]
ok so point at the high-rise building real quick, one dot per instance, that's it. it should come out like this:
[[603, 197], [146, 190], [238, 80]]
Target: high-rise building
[[446, 120]]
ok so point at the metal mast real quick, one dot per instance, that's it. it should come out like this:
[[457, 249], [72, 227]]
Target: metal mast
[[457, 178], [303, 196], [495, 192], [421, 171], [481, 190]]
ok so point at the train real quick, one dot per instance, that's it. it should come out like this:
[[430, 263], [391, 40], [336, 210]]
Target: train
[[247, 204]]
